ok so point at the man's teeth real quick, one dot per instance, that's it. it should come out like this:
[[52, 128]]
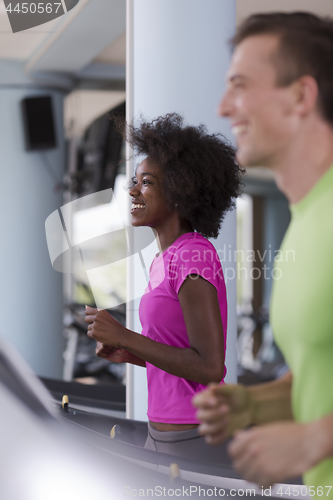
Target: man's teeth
[[137, 206], [238, 129]]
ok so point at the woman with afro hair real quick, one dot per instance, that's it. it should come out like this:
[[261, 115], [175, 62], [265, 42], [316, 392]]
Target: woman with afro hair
[[182, 189]]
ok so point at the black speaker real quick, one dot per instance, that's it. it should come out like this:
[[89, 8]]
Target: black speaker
[[38, 123]]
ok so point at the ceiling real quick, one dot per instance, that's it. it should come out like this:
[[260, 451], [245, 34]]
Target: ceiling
[[94, 29], [115, 53], [91, 39], [22, 46], [88, 43]]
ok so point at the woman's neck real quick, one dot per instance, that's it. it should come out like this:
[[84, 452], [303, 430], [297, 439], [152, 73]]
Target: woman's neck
[[167, 236]]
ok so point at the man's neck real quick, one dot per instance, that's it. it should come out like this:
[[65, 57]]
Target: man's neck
[[309, 157]]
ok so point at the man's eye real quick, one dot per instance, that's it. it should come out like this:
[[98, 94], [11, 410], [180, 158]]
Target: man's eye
[[239, 85]]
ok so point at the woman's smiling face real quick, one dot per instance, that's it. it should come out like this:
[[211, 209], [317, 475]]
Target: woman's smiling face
[[149, 207]]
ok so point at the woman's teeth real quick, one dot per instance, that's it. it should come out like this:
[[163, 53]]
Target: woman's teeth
[[137, 206]]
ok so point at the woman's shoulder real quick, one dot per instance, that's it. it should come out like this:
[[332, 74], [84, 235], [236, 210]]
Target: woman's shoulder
[[193, 240], [194, 254], [190, 245]]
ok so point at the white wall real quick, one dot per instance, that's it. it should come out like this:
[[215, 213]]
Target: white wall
[[30, 290], [176, 61]]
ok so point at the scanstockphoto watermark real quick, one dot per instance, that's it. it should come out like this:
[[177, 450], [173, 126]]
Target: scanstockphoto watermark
[[255, 265], [269, 255], [230, 273], [240, 264], [255, 273], [65, 246], [189, 491], [278, 490], [226, 254]]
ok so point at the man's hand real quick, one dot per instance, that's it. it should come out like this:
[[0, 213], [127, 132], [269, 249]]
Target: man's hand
[[273, 452], [114, 354], [103, 327], [222, 410]]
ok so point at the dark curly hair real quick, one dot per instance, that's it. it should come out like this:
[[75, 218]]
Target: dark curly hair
[[200, 173]]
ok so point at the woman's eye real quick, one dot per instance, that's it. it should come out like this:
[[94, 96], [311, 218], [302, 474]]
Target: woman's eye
[[133, 182]]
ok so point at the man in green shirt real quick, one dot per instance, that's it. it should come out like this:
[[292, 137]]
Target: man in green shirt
[[279, 100]]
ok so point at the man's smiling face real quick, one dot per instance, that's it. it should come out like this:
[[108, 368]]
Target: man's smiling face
[[261, 113]]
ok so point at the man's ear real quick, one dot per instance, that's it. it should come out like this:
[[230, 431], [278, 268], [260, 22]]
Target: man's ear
[[305, 94]]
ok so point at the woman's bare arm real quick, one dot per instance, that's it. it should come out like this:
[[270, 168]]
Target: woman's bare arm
[[202, 362]]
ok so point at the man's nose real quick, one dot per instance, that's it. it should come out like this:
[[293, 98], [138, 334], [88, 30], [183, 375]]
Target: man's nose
[[224, 106]]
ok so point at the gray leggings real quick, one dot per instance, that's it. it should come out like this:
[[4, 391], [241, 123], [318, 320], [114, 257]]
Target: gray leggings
[[187, 444]]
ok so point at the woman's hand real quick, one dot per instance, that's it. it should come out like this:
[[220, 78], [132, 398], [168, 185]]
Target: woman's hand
[[109, 334], [104, 328], [114, 354]]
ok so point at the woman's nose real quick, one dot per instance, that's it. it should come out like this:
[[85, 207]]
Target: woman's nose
[[134, 190]]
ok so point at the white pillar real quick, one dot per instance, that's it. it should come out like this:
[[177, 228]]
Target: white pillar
[[30, 291], [177, 58]]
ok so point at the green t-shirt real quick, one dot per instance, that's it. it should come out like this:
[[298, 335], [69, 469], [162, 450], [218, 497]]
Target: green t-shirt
[[302, 311]]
